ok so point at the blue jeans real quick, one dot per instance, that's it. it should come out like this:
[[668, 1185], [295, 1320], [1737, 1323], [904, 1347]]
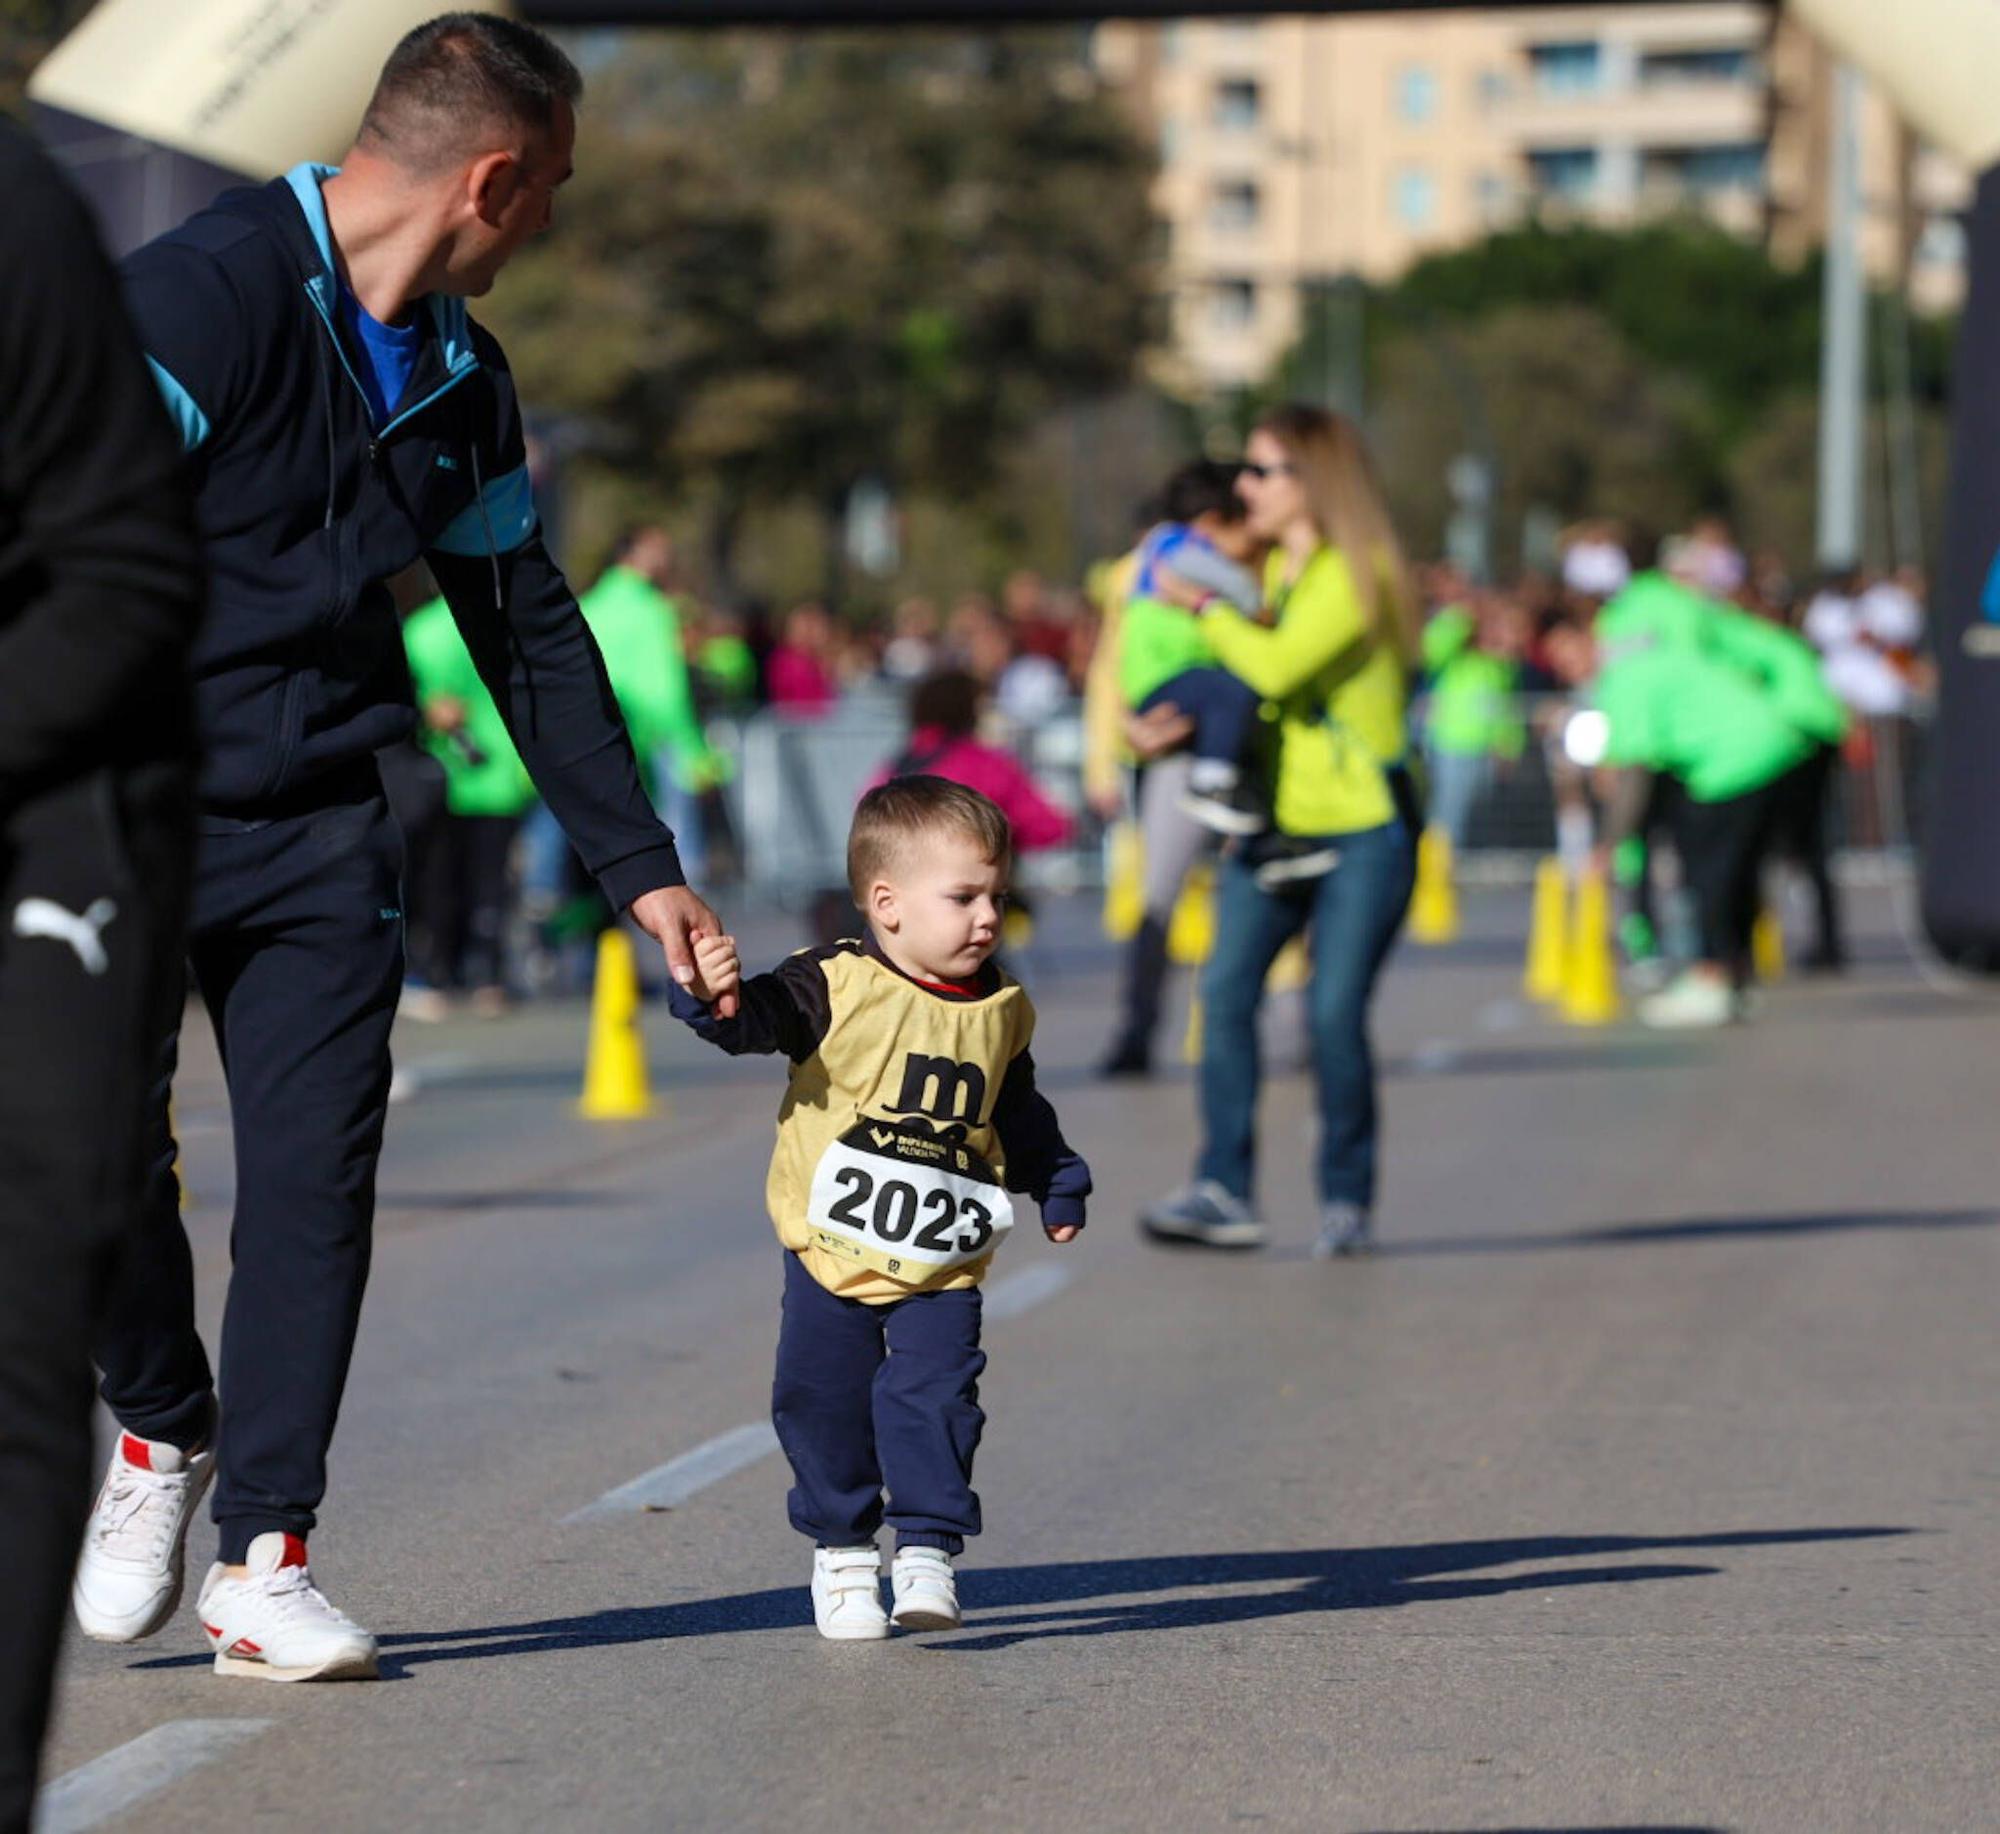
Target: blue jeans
[[1353, 914], [1459, 782]]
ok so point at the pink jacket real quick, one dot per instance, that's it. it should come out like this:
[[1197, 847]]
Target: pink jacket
[[997, 775]]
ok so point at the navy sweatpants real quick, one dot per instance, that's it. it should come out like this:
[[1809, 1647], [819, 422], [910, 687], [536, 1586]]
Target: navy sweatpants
[[1223, 708], [297, 946], [874, 1395]]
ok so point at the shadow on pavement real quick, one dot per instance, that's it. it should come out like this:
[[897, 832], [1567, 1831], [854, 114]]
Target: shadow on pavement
[[1640, 1054], [1311, 1580], [1697, 1229]]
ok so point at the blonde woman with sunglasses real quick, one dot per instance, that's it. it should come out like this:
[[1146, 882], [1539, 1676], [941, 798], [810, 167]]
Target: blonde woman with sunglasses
[[1333, 668]]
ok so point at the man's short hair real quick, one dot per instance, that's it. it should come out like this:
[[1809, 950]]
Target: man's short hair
[[897, 817], [459, 77]]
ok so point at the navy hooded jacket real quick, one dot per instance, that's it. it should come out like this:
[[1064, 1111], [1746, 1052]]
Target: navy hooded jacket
[[307, 507]]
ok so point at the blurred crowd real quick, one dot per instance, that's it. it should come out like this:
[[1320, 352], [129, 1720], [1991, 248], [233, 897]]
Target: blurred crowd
[[497, 901]]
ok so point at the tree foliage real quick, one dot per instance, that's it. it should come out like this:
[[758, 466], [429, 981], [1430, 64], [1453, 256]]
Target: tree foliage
[[29, 31], [789, 264], [1581, 423]]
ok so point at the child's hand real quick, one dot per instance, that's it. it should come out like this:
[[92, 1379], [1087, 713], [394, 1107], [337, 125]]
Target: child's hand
[[718, 970], [1067, 1233]]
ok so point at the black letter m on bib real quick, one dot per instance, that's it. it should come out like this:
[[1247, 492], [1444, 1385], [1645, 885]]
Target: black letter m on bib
[[953, 1093]]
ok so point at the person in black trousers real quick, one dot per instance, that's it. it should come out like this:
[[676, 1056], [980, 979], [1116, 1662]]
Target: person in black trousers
[[99, 597], [343, 418]]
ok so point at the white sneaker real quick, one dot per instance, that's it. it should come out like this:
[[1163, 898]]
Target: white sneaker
[[847, 1594], [276, 1625], [926, 1590], [129, 1576], [1694, 1002]]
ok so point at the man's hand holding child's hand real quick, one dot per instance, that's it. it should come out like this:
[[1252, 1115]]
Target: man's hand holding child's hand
[[718, 969], [1067, 1233]]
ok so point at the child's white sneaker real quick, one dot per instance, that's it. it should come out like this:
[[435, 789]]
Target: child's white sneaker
[[926, 1590], [847, 1594], [274, 1624]]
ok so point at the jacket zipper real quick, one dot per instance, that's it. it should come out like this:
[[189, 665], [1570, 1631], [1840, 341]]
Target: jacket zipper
[[378, 434]]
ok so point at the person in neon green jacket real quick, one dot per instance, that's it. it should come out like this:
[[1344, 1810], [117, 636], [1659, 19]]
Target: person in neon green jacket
[[1474, 722], [459, 864], [1656, 608], [638, 630]]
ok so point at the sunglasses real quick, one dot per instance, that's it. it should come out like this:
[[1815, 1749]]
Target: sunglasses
[[1248, 470]]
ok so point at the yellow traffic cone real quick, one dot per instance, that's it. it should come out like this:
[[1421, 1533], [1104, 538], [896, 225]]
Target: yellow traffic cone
[[1191, 930], [1548, 934], [1767, 946], [614, 1078], [1293, 968], [1124, 883], [1434, 903], [1590, 994]]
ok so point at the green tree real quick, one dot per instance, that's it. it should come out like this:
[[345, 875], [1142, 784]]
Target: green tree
[[29, 31], [790, 264], [1580, 423]]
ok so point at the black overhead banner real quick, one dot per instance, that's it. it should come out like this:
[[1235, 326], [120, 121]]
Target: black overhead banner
[[1961, 845], [932, 12]]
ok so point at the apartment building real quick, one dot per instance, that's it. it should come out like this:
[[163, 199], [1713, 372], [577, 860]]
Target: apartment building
[[1299, 150]]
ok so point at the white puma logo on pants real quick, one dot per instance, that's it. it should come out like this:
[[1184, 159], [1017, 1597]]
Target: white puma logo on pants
[[85, 934]]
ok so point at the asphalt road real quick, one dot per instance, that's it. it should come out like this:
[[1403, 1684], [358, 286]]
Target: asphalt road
[[1647, 1480]]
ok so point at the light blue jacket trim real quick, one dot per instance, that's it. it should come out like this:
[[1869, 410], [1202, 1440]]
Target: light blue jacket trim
[[454, 326], [188, 419], [305, 180], [508, 519]]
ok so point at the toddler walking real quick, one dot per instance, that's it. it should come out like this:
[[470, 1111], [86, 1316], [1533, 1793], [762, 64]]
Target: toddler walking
[[911, 1113]]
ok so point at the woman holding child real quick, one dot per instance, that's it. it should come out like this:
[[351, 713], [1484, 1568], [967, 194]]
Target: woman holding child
[[1338, 860]]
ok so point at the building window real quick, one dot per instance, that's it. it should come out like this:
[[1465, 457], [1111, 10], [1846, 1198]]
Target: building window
[[1417, 94], [1706, 171], [1415, 198], [1493, 87], [1942, 243], [1173, 41], [1727, 64], [1173, 138], [1566, 175], [1492, 198], [1239, 104], [1235, 205], [1570, 68], [1232, 307]]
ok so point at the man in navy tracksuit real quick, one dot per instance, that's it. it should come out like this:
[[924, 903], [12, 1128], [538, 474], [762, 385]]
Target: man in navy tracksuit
[[343, 419]]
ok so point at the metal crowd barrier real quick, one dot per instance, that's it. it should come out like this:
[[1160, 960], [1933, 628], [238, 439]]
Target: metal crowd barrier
[[797, 780]]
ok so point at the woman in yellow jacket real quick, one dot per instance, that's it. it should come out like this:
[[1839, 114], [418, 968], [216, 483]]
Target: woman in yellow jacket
[[1333, 669]]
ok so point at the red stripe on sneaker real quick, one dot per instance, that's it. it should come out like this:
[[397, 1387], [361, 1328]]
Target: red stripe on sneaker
[[213, 1630], [135, 1451], [244, 1647], [295, 1552]]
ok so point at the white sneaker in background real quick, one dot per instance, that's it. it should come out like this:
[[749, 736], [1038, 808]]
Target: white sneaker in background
[[129, 1575], [274, 1624], [847, 1594], [1694, 1002], [926, 1590]]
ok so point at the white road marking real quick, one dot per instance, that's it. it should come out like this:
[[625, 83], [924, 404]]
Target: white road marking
[[672, 1484], [669, 1485], [1015, 1293], [1436, 1057], [100, 1791]]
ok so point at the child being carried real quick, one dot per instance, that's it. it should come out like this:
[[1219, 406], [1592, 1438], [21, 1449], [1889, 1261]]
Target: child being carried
[[1199, 554]]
